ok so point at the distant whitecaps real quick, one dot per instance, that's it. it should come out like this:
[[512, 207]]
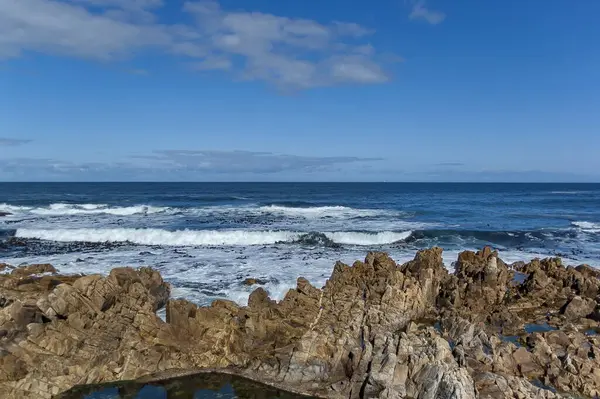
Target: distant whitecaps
[[202, 237], [318, 212], [321, 211], [83, 209], [575, 192]]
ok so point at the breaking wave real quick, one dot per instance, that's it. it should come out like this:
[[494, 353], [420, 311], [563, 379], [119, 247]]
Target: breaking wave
[[320, 211], [212, 237], [84, 209], [160, 237], [381, 238], [588, 226], [304, 212]]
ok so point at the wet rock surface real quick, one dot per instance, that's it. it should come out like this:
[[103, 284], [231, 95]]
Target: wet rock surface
[[375, 330], [253, 281]]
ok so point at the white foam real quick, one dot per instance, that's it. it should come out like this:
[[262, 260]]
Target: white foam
[[95, 209], [93, 206], [588, 226], [203, 237], [13, 208], [381, 238], [162, 314], [320, 211], [570, 192], [329, 215], [60, 209], [161, 237]]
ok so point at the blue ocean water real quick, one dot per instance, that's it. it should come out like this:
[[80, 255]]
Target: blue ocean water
[[206, 238]]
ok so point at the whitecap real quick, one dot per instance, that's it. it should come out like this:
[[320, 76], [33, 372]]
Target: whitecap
[[95, 209], [203, 237], [575, 192], [359, 238], [14, 208], [321, 211], [588, 226], [160, 237]]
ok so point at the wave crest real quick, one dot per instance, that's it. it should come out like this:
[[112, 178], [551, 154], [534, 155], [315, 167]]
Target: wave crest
[[211, 237], [358, 238], [320, 211], [588, 226], [61, 209], [308, 212]]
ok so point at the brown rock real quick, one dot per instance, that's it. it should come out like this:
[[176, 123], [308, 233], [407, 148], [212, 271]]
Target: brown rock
[[579, 307], [375, 330], [479, 284], [524, 361], [33, 269]]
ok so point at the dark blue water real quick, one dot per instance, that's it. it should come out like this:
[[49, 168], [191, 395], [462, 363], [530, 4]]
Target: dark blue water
[[203, 386], [205, 237]]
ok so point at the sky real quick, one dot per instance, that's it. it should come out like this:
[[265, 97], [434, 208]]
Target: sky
[[299, 90]]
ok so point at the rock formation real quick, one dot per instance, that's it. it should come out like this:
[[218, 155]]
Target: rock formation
[[375, 330]]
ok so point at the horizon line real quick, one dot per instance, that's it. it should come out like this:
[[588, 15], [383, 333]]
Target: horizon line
[[292, 182]]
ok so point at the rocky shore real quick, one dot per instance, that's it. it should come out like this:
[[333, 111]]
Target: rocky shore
[[375, 330]]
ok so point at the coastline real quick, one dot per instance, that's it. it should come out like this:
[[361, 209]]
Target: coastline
[[376, 329]]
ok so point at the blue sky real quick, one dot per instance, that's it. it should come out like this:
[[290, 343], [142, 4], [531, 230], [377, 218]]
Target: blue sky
[[309, 90]]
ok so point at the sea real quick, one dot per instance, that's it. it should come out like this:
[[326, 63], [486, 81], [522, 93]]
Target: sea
[[206, 239]]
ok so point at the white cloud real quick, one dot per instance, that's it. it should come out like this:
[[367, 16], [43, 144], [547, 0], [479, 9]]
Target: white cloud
[[54, 27], [358, 69], [297, 53], [286, 52], [420, 11]]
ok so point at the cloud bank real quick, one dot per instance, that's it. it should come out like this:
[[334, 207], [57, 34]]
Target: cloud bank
[[10, 142], [177, 164], [211, 165], [286, 52]]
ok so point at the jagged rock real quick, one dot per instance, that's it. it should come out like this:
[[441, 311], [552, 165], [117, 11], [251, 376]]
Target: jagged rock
[[375, 330], [479, 283], [548, 278], [494, 386], [579, 307]]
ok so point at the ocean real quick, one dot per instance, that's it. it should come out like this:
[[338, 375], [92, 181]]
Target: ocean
[[207, 238]]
